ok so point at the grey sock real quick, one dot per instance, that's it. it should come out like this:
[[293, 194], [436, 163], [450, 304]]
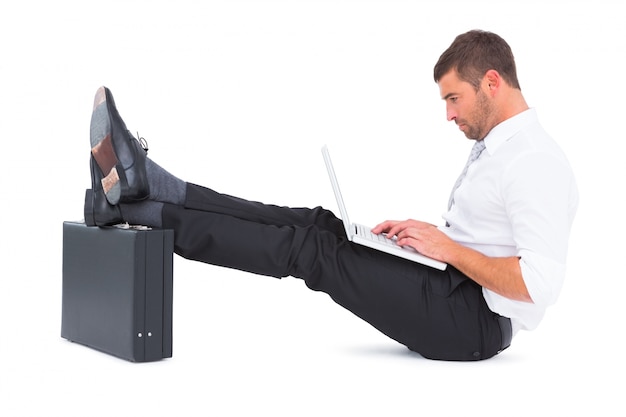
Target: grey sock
[[164, 186], [146, 213]]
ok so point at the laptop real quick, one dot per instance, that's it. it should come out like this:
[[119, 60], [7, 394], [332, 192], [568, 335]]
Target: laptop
[[362, 235]]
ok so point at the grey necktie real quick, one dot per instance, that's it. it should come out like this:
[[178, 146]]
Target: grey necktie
[[478, 147]]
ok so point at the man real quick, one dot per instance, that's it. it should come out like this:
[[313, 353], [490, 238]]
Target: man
[[505, 238]]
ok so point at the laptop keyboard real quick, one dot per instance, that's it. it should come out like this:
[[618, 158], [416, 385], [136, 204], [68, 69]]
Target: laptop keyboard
[[367, 234]]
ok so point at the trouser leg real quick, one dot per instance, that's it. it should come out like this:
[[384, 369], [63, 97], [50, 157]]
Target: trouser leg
[[440, 314], [205, 199]]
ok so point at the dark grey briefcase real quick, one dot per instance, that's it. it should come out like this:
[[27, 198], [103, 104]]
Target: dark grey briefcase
[[117, 290]]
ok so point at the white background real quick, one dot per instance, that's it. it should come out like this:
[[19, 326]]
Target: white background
[[240, 96]]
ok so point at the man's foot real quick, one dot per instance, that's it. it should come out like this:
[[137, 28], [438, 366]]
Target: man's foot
[[118, 155]]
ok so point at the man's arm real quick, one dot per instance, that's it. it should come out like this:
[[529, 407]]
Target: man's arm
[[501, 275]]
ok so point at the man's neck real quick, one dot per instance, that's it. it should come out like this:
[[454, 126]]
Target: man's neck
[[513, 104]]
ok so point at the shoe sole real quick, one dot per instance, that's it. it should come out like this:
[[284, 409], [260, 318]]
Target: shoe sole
[[102, 147], [88, 211]]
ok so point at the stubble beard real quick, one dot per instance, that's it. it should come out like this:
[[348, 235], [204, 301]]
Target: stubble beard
[[478, 121]]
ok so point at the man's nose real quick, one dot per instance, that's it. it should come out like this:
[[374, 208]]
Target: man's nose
[[450, 114]]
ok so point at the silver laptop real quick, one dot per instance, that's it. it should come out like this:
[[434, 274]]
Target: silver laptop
[[362, 235]]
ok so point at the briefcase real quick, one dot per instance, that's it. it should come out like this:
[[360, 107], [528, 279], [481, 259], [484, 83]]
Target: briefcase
[[118, 289]]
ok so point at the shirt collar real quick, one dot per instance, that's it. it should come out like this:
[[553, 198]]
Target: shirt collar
[[507, 129]]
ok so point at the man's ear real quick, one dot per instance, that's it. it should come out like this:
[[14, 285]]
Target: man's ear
[[493, 80]]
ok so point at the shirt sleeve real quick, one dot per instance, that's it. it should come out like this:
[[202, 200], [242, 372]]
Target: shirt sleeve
[[537, 191]]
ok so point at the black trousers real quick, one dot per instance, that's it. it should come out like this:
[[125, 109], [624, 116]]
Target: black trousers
[[439, 314]]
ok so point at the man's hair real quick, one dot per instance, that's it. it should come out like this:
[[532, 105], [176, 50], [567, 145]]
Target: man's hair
[[474, 53]]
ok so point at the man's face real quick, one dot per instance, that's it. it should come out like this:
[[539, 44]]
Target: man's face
[[471, 110]]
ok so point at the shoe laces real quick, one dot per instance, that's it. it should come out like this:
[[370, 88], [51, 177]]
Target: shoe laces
[[143, 142]]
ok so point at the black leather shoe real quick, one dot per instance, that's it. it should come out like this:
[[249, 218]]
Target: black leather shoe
[[98, 211], [119, 155]]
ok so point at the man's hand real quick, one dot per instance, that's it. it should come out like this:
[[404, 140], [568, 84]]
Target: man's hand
[[423, 237]]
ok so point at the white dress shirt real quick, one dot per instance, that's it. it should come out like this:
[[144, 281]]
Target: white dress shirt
[[519, 198]]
